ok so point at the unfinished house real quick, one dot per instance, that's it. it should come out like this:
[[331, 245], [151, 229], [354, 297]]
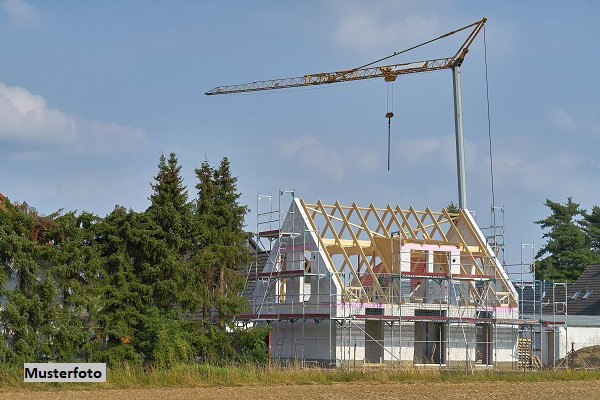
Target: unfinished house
[[354, 285]]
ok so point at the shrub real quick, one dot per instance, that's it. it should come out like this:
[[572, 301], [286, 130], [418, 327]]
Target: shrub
[[164, 339]]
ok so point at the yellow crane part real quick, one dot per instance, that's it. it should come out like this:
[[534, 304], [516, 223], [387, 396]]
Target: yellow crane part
[[388, 72]]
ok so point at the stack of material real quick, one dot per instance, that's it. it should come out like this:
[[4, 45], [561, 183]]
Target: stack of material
[[525, 360]]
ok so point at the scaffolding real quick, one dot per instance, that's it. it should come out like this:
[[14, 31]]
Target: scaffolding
[[544, 310], [533, 296], [349, 286], [495, 232]]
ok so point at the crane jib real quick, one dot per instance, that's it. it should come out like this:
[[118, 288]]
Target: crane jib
[[388, 72]]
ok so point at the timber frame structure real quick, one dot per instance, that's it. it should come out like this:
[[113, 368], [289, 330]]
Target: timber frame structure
[[379, 231], [351, 285]]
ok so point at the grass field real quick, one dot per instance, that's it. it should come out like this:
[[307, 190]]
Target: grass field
[[185, 376]]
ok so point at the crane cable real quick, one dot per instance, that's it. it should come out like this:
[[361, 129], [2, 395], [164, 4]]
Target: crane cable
[[414, 47], [389, 114], [487, 95]]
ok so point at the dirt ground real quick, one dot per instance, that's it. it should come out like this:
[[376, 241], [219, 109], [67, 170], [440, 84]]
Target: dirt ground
[[365, 391]]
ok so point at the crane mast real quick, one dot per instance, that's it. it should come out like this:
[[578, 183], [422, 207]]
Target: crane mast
[[389, 73]]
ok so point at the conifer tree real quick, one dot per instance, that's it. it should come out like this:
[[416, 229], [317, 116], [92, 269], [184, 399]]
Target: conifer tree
[[452, 208], [137, 289], [75, 259], [223, 240], [591, 227], [35, 327], [126, 247], [233, 254], [204, 253], [172, 282], [77, 287], [169, 206], [567, 247]]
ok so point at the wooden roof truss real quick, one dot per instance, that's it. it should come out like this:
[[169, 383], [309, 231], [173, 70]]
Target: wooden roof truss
[[361, 245]]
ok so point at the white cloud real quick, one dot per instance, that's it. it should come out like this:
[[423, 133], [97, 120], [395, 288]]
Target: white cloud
[[381, 27], [438, 151], [502, 38], [415, 149], [307, 152], [583, 121], [538, 172], [21, 12], [26, 118], [562, 119], [367, 160], [289, 147], [366, 27]]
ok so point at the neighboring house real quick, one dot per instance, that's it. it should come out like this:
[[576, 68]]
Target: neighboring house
[[583, 296], [347, 285], [568, 315]]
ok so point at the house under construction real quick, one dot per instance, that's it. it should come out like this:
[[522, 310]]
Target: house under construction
[[352, 285]]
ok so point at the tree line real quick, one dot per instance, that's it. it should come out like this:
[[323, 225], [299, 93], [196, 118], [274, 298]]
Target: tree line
[[124, 287]]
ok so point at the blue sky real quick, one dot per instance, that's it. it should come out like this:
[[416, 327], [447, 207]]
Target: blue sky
[[91, 93]]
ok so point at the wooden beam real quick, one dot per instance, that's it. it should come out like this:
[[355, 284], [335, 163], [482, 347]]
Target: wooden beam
[[376, 284], [346, 258]]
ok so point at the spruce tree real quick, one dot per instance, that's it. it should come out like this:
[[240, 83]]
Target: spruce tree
[[169, 206], [126, 247], [452, 208], [173, 285], [77, 287], [232, 247], [223, 241], [138, 288], [206, 229]]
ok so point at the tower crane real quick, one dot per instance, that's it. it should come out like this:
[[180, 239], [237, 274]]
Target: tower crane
[[389, 73]]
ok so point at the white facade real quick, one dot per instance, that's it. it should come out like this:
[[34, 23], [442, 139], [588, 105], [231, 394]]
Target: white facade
[[556, 341]]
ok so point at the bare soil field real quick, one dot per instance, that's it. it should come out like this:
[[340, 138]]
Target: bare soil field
[[365, 391]]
